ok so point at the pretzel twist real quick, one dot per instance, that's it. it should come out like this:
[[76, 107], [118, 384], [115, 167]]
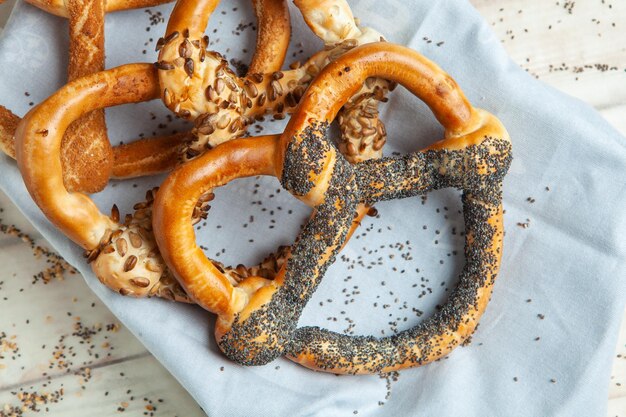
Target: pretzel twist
[[88, 160], [198, 84], [87, 136], [257, 318]]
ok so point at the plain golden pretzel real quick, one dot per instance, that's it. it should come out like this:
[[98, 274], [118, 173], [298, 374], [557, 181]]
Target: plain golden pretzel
[[257, 317]]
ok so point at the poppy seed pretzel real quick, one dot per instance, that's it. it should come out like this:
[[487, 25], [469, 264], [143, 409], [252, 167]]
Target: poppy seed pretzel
[[257, 318], [197, 83]]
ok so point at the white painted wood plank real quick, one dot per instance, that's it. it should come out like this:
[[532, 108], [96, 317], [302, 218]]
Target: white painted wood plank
[[136, 387], [11, 216], [58, 327], [582, 52], [617, 117]]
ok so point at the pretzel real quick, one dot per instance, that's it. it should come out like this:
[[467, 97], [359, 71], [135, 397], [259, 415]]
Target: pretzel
[[257, 318], [197, 84], [60, 7], [88, 136], [87, 158]]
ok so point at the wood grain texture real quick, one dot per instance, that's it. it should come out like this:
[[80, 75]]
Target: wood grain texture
[[577, 47]]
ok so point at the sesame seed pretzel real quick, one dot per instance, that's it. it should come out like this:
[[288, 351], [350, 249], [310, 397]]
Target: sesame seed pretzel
[[257, 318], [197, 83]]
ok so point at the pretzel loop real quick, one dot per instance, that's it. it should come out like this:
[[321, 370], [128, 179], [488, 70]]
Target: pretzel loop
[[123, 256], [257, 319]]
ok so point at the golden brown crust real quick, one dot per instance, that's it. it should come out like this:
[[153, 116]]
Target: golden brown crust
[[59, 7], [86, 155], [273, 33], [147, 156], [39, 136], [197, 84], [257, 316], [8, 124]]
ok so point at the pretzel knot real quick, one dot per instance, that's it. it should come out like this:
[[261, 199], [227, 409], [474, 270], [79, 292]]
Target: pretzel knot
[[198, 84], [257, 317]]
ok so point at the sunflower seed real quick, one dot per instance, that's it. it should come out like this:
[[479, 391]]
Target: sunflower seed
[[231, 84], [163, 65], [290, 100], [167, 97], [277, 88], [312, 70], [210, 94], [135, 239], [124, 291], [115, 213], [189, 65], [219, 85], [256, 77], [153, 267], [250, 88], [277, 75], [236, 125], [192, 153], [207, 129], [364, 121], [130, 263], [223, 122], [185, 49], [261, 100], [378, 145], [159, 44], [351, 149], [219, 266], [92, 255], [140, 282], [108, 249]]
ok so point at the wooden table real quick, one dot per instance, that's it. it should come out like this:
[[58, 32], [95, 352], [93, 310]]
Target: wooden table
[[91, 365]]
